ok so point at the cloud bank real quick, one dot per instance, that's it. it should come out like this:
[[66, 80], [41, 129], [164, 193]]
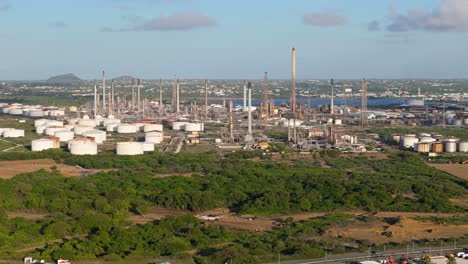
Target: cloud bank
[[323, 19]]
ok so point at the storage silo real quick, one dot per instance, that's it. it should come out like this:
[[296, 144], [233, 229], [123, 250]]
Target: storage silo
[[50, 131], [82, 147], [64, 136], [450, 147], [13, 133], [40, 122], [99, 135], [154, 137], [465, 121], [87, 122], [437, 147], [153, 127], [463, 146], [129, 148], [148, 147], [126, 129], [80, 130], [423, 147], [42, 144], [54, 123], [408, 141], [112, 127]]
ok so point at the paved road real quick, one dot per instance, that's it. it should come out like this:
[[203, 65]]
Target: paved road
[[433, 251]]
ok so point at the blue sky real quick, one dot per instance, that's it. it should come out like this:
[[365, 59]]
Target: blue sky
[[238, 39]]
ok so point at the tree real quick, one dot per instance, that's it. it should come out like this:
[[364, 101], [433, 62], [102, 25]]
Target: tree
[[451, 259]]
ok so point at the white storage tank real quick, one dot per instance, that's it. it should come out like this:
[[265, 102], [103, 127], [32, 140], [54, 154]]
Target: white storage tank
[[463, 146], [408, 141], [54, 123], [178, 125], [154, 137], [450, 146], [15, 111], [112, 127], [290, 123], [64, 136], [338, 122], [126, 129], [2, 130], [40, 122], [41, 129], [6, 109], [42, 144], [82, 147], [57, 112], [80, 130], [427, 139], [465, 121], [130, 148], [110, 121], [98, 135], [153, 127], [50, 131], [148, 147], [87, 122], [13, 133], [192, 127], [73, 121], [36, 113]]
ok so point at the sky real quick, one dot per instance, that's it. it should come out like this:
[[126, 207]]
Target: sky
[[234, 39]]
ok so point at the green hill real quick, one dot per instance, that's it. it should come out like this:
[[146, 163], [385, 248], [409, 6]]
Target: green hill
[[64, 78]]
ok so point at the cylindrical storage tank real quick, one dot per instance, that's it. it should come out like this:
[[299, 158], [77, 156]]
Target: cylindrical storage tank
[[465, 121], [450, 147], [427, 139], [73, 121], [463, 146], [154, 137], [13, 133], [130, 148], [5, 110], [408, 141], [112, 127], [192, 127], [36, 113], [80, 130], [40, 122], [424, 135], [54, 123], [140, 126], [126, 129], [82, 147], [42, 144], [50, 131], [153, 127], [2, 130], [148, 146], [64, 136], [56, 141], [87, 122], [41, 129], [396, 139], [26, 112], [437, 147], [86, 117], [457, 122], [449, 121], [15, 111], [98, 135], [56, 113], [178, 125], [452, 139], [338, 122], [110, 121], [423, 147]]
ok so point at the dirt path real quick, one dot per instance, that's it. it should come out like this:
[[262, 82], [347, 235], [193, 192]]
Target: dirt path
[[457, 170]]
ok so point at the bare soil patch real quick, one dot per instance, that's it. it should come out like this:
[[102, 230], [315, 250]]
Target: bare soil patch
[[9, 169], [457, 170], [378, 232], [27, 215]]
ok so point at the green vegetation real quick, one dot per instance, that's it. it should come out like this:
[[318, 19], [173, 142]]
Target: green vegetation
[[64, 78], [92, 212]]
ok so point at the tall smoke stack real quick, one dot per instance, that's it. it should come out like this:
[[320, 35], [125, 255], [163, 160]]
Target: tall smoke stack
[[249, 86], [95, 101], [104, 91], [133, 94], [174, 93], [245, 98], [332, 103], [160, 97], [177, 97], [206, 99], [138, 95], [112, 102], [293, 92]]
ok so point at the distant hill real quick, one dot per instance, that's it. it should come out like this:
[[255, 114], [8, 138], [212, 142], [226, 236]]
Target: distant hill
[[64, 78], [125, 78]]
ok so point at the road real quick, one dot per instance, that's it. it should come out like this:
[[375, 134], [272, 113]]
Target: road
[[431, 251]]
